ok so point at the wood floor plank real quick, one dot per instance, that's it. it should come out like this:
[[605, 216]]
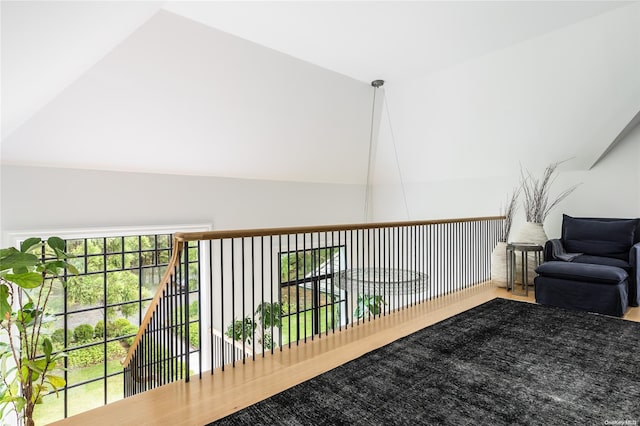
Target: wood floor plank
[[201, 401]]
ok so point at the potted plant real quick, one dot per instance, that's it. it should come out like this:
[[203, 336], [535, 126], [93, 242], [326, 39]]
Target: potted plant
[[27, 360], [367, 306], [266, 317], [537, 203]]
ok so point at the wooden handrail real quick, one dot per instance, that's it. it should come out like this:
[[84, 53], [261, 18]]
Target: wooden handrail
[[261, 232], [166, 280]]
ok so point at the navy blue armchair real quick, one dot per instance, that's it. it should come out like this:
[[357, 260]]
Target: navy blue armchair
[[595, 265]]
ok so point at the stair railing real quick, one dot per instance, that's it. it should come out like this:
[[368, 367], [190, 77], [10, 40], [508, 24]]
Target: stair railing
[[266, 289]]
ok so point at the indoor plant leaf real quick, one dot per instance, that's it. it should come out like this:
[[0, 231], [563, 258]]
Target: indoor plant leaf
[[18, 260], [56, 243], [29, 243], [47, 348], [26, 280], [60, 254], [56, 382], [6, 252], [72, 269], [54, 267]]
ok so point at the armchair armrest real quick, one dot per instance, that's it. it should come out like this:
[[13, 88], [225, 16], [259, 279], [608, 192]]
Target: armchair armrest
[[634, 279], [554, 250], [634, 256], [548, 249]]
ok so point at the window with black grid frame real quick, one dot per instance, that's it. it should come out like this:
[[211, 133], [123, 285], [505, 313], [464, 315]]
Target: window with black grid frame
[[96, 317], [310, 301]]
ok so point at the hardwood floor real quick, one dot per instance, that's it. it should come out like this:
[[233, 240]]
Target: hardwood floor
[[217, 395]]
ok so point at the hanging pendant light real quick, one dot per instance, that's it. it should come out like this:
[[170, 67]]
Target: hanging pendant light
[[376, 85], [394, 286]]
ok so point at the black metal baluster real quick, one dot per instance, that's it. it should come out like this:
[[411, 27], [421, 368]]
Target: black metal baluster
[[233, 303], [253, 302], [222, 305], [316, 255], [262, 301], [271, 289], [242, 278], [360, 292], [353, 295], [398, 266], [304, 307], [210, 327], [377, 261], [341, 292], [304, 275]]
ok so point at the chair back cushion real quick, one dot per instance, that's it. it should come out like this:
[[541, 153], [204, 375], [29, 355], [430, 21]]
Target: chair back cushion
[[600, 236]]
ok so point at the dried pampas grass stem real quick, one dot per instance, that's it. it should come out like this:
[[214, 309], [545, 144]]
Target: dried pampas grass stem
[[536, 193], [509, 211]]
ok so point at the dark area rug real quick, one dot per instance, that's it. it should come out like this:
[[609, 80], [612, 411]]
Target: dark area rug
[[501, 363]]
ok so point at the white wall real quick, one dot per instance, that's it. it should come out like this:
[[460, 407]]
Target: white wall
[[462, 134], [610, 189], [53, 198]]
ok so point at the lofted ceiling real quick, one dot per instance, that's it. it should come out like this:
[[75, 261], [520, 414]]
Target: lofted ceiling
[[388, 39], [47, 45], [60, 60]]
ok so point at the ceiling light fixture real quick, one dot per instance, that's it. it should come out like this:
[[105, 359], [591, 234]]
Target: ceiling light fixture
[[367, 193]]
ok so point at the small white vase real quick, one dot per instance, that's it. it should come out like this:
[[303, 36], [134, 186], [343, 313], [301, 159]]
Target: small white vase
[[529, 232], [499, 264]]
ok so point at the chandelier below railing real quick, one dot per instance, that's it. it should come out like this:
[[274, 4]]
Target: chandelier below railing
[[382, 281]]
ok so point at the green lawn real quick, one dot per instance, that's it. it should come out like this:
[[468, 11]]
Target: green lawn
[[304, 323], [82, 398], [91, 395]]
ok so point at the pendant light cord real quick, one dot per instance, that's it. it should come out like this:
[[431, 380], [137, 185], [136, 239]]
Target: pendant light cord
[[370, 162], [395, 151], [376, 84]]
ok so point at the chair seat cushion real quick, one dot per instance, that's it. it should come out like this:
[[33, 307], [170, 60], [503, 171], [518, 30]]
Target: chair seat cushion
[[586, 272], [601, 260]]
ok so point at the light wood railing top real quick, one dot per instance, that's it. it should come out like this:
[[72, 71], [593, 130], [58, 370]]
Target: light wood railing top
[[262, 232]]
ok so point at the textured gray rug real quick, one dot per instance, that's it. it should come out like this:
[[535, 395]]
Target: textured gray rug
[[501, 363]]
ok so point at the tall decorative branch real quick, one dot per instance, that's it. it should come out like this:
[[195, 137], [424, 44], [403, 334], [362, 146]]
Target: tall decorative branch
[[536, 193], [509, 211]]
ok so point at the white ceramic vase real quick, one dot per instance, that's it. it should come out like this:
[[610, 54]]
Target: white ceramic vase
[[499, 264], [529, 232]]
